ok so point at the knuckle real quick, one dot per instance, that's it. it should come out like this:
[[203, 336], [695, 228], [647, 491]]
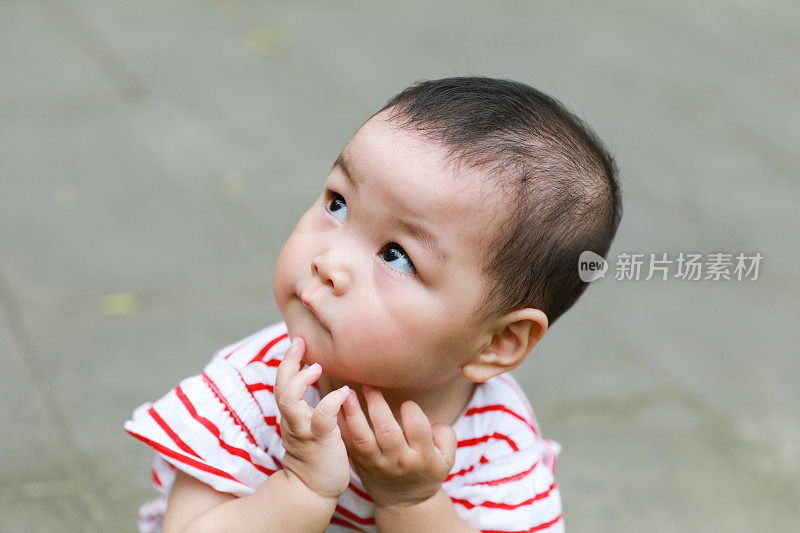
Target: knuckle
[[326, 405], [295, 434], [320, 412], [284, 405], [361, 440], [384, 429], [406, 462], [288, 438]]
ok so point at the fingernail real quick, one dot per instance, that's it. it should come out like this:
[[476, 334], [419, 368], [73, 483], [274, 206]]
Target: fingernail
[[346, 390], [366, 388], [314, 366], [295, 342]]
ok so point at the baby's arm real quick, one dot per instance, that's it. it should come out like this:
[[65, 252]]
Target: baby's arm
[[300, 498], [188, 499], [280, 504]]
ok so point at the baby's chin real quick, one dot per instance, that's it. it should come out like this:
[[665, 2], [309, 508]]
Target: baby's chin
[[318, 340], [336, 358], [334, 364]]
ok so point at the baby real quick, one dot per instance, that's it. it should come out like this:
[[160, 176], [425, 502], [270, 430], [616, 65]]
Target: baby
[[445, 242]]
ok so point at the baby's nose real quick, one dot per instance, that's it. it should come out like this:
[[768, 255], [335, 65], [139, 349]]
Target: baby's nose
[[333, 275]]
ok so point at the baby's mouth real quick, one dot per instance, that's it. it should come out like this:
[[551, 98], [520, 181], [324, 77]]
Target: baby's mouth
[[310, 307]]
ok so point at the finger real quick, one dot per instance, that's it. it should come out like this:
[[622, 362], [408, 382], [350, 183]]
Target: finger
[[445, 440], [294, 411], [290, 364], [388, 432], [323, 420], [298, 384], [342, 423], [361, 437], [416, 426]]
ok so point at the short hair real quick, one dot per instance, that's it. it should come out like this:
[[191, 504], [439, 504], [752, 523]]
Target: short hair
[[558, 186]]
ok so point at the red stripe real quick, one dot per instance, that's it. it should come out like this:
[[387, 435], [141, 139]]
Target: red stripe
[[478, 440], [354, 517], [260, 355], [273, 421], [156, 480], [531, 530], [339, 522], [359, 492], [228, 408], [503, 408], [255, 387], [459, 473], [273, 363], [508, 479], [183, 458], [174, 436], [238, 346], [261, 386], [505, 506], [215, 431], [522, 398]]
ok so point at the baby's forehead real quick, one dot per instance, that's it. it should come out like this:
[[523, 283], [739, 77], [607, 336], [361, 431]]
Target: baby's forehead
[[412, 177]]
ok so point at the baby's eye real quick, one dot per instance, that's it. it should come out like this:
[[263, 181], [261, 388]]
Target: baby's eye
[[337, 206], [397, 258]]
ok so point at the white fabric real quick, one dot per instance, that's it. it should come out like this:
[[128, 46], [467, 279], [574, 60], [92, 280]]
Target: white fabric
[[222, 427]]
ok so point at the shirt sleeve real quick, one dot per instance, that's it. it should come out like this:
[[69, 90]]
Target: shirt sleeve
[[220, 426], [515, 492]]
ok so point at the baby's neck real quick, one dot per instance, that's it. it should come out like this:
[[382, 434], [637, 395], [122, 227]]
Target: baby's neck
[[442, 404]]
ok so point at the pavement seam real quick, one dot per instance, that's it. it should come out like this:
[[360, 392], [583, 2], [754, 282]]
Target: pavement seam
[[113, 67], [43, 388]]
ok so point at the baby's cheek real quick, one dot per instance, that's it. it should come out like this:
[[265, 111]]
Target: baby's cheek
[[395, 291], [385, 285], [319, 222]]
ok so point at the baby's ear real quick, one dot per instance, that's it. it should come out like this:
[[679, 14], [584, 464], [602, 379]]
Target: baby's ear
[[511, 338]]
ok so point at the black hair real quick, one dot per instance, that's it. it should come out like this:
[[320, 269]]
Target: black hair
[[558, 185]]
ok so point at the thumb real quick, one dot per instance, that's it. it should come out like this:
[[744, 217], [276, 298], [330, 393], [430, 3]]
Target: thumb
[[444, 438], [324, 417]]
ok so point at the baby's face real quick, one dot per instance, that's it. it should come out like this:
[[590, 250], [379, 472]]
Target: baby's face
[[390, 304]]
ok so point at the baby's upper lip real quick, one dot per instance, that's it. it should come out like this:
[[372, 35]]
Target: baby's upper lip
[[307, 303]]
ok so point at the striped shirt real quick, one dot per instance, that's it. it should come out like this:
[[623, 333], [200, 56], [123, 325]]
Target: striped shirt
[[223, 428]]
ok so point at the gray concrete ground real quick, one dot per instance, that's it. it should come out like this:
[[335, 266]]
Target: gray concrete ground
[[154, 156]]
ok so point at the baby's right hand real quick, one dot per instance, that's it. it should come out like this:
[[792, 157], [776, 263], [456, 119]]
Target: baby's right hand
[[315, 452]]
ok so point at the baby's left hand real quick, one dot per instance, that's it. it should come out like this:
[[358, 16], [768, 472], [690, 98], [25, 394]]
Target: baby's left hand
[[399, 466]]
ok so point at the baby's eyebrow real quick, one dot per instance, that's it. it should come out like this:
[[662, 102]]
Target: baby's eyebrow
[[423, 236], [417, 232], [343, 167]]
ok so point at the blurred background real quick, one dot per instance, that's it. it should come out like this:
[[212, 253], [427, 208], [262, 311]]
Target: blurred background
[[155, 156]]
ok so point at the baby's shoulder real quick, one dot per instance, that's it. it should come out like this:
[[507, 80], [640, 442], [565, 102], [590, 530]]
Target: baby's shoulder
[[499, 411], [503, 462], [498, 426]]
